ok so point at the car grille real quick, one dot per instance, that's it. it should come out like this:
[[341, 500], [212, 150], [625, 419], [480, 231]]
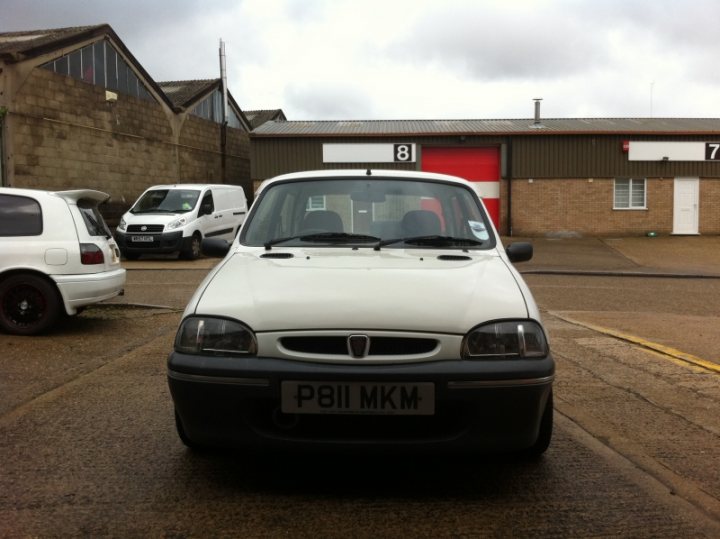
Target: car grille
[[150, 229], [379, 346]]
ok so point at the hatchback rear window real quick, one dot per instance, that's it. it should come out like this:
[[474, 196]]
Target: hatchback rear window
[[20, 216], [93, 219]]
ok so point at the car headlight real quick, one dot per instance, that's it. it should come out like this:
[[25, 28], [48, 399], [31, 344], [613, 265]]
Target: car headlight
[[123, 225], [507, 339], [215, 337], [176, 223]]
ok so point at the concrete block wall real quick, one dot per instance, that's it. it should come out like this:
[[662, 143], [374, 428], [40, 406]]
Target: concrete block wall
[[63, 135]]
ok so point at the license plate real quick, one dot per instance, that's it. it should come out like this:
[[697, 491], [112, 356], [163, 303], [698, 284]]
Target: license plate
[[358, 398], [141, 238]]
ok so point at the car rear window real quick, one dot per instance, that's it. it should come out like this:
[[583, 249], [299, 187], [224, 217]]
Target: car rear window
[[93, 219], [20, 216]]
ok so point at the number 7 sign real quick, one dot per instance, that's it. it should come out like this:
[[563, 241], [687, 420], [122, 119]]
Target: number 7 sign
[[711, 151]]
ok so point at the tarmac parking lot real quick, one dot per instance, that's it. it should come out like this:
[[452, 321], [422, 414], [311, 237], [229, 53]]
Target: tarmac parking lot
[[88, 447]]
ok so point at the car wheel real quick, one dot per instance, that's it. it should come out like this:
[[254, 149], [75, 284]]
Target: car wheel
[[184, 437], [28, 304], [193, 250], [545, 434]]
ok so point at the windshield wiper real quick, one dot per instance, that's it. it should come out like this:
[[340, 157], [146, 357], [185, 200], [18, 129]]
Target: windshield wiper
[[434, 240], [329, 237]]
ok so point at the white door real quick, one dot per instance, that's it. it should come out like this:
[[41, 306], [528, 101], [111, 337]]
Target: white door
[[685, 206]]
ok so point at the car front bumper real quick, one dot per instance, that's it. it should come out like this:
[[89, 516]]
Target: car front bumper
[[163, 243], [493, 405]]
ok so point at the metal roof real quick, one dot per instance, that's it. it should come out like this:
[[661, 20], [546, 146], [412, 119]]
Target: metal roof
[[18, 44], [184, 93], [259, 117], [548, 126]]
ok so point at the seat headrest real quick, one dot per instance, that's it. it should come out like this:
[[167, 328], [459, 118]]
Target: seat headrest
[[420, 223]]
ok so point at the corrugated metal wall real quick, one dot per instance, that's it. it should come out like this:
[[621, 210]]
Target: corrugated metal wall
[[539, 156], [597, 156]]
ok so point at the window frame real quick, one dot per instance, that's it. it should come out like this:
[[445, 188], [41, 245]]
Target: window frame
[[32, 225], [631, 182]]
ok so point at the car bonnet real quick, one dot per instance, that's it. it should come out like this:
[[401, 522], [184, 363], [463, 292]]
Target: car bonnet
[[393, 289]]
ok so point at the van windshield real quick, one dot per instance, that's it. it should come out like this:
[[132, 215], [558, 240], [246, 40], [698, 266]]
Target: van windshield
[[167, 201]]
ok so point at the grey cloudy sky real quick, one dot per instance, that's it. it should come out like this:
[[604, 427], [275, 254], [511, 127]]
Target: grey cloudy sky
[[419, 59]]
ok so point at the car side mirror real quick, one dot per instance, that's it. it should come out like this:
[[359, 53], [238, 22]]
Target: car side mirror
[[215, 247], [519, 252], [206, 209]]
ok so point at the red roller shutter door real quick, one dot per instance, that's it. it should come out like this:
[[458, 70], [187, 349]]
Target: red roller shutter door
[[481, 165]]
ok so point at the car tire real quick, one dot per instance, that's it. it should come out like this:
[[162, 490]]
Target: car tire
[[193, 249], [545, 434], [29, 304], [184, 437]]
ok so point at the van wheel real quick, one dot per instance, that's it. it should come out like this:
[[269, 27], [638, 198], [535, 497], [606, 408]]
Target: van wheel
[[192, 250], [28, 304]]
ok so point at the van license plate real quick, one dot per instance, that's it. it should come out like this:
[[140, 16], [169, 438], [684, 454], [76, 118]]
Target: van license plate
[[141, 238], [358, 398]]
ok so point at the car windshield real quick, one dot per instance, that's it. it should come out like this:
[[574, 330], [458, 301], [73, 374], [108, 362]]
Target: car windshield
[[369, 212], [167, 201]]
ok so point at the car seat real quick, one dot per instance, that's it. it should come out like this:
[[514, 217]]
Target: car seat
[[324, 220], [420, 223]]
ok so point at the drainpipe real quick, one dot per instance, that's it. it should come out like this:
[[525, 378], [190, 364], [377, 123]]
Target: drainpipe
[[509, 158], [3, 112], [223, 125]]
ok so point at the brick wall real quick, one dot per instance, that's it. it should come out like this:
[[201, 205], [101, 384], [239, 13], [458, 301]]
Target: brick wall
[[64, 135], [585, 207], [710, 206]]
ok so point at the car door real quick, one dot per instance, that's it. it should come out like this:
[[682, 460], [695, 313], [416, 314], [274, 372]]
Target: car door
[[210, 219]]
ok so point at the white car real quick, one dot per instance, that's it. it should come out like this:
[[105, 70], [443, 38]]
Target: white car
[[56, 255], [370, 309]]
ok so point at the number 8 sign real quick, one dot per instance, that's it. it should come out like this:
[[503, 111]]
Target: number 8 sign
[[403, 152]]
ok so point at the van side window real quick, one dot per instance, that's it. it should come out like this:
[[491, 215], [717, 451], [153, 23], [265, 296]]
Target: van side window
[[20, 216], [208, 206]]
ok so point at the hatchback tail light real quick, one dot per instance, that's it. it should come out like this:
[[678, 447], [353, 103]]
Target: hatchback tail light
[[91, 254]]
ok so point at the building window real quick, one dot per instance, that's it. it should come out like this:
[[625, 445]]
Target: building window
[[210, 108], [316, 203], [630, 194], [102, 65]]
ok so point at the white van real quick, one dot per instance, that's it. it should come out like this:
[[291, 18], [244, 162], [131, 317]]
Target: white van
[[176, 218]]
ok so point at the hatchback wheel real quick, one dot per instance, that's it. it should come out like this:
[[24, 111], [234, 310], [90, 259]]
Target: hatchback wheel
[[28, 304]]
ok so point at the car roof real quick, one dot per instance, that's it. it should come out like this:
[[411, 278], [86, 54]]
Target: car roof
[[367, 173]]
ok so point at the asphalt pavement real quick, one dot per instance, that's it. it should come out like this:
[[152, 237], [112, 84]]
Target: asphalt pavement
[[667, 256]]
